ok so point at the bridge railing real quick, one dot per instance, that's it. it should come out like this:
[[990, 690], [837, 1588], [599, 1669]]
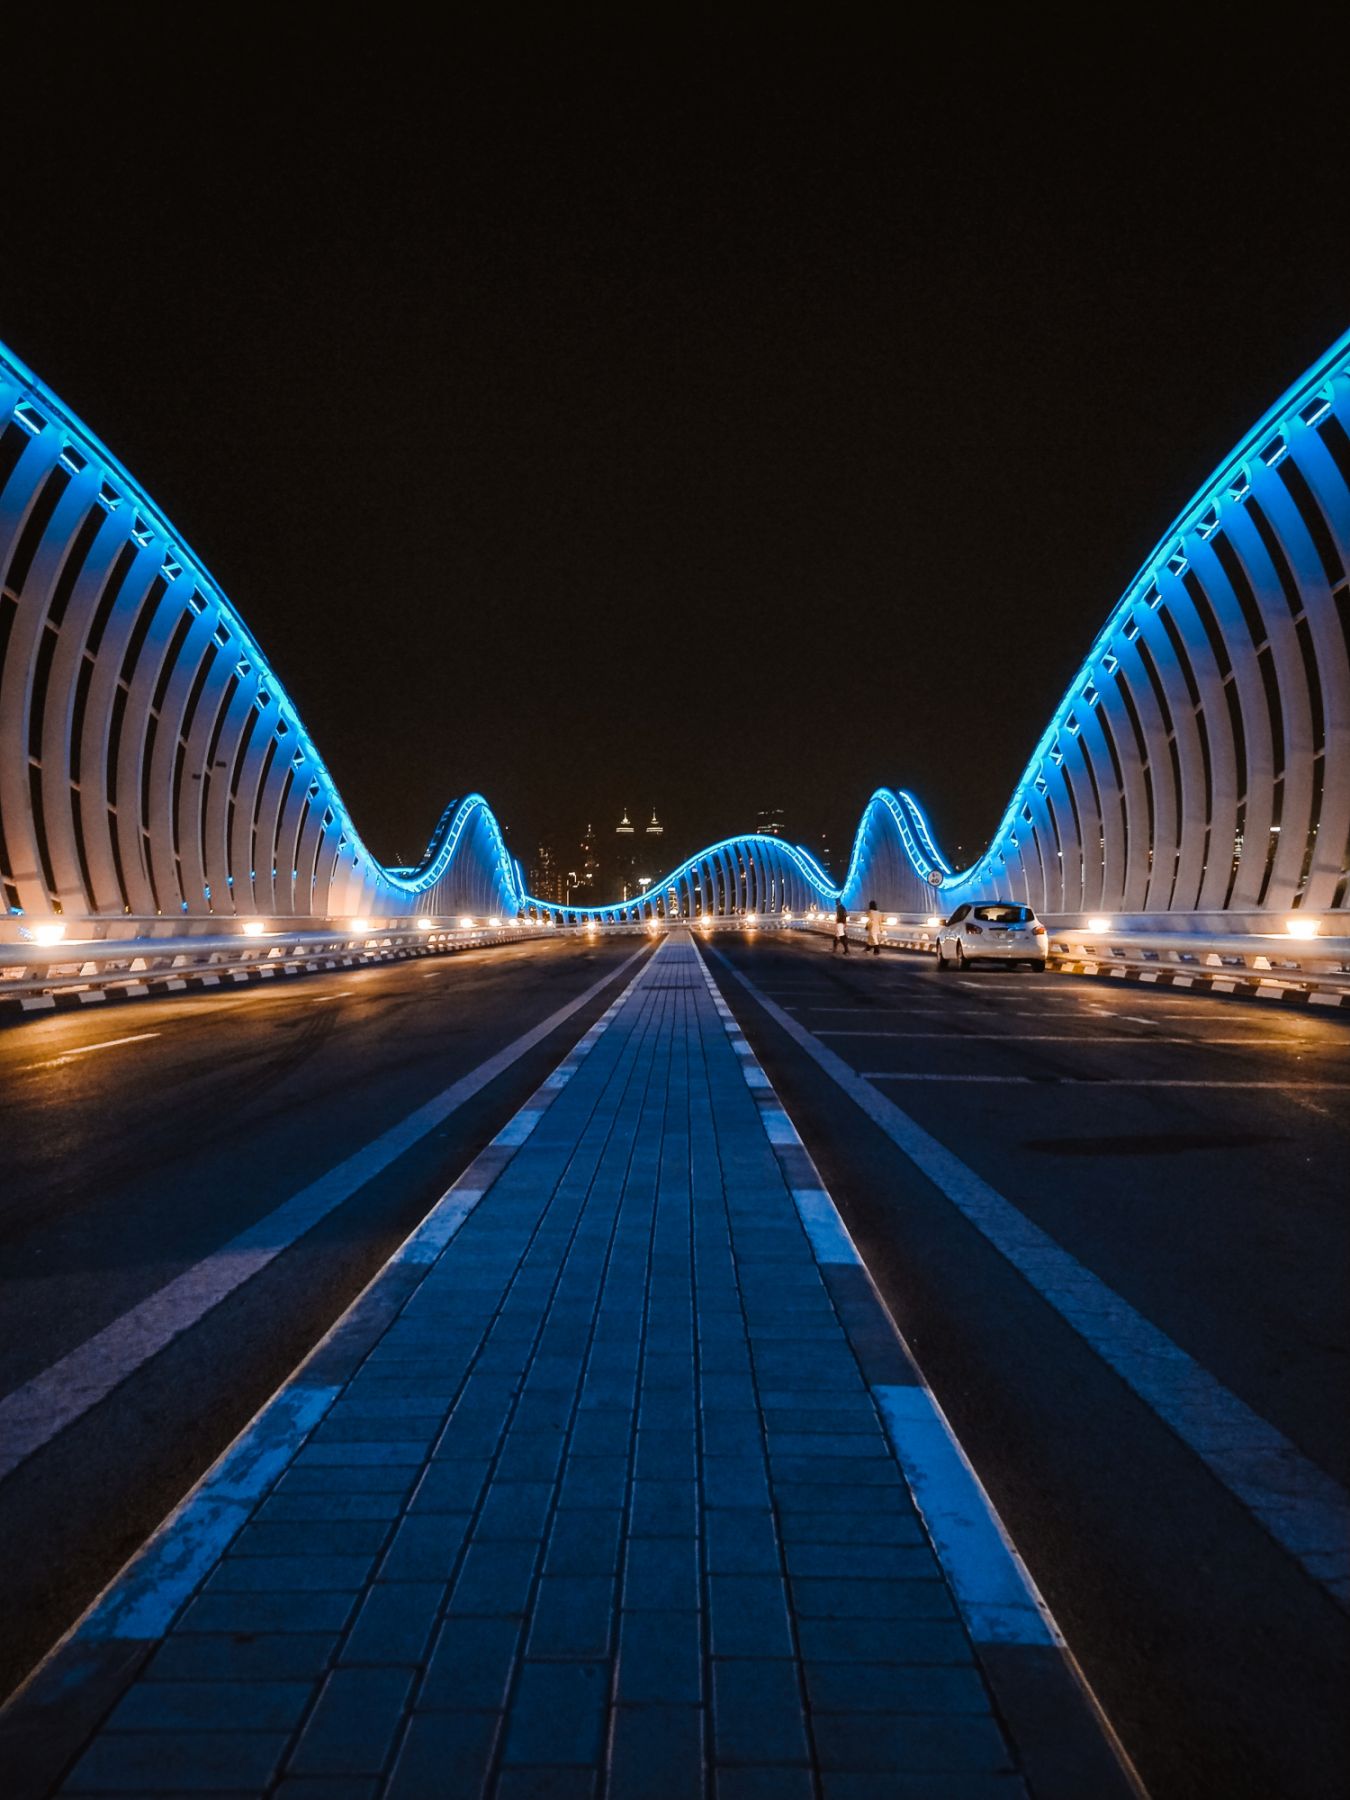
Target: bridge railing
[[97, 957], [122, 953], [1272, 960]]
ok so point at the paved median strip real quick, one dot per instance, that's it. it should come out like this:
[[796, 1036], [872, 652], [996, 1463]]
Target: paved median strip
[[1303, 1508], [33, 1414]]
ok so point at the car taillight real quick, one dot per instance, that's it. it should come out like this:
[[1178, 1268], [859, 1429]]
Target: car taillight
[[974, 930], [1040, 931]]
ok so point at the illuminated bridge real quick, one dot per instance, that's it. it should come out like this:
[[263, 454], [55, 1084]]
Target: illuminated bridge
[[620, 1360], [153, 767]]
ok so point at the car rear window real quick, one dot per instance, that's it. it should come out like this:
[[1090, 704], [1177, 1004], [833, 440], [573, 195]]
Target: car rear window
[[1003, 915]]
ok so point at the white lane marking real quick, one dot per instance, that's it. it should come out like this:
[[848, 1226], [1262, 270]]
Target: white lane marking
[[997, 1597], [1043, 1037], [1108, 1081], [824, 1228], [141, 1600], [1303, 1508], [1278, 1043], [54, 1062], [961, 1009], [516, 1130], [316, 999], [1006, 1080], [36, 1412]]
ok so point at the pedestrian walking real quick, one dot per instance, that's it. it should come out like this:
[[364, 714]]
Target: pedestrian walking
[[874, 928], [840, 929]]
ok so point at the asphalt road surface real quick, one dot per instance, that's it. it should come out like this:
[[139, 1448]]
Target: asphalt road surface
[[149, 1150]]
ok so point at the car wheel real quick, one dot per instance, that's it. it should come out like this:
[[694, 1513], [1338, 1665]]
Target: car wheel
[[962, 961], [941, 962], [1040, 966]]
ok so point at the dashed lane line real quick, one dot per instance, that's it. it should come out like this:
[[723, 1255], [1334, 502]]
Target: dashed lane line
[[54, 1062], [32, 1415], [1305, 1510], [1107, 1081], [1046, 1037]]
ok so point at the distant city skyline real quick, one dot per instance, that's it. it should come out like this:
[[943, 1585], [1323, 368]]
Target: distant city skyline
[[585, 865]]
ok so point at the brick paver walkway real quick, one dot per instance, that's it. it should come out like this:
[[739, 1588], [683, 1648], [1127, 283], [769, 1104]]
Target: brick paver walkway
[[604, 1508]]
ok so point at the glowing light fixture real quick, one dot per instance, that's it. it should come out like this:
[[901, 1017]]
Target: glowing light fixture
[[752, 918], [360, 924], [892, 919], [932, 920], [253, 928], [48, 934], [466, 923], [495, 923], [1099, 924], [1303, 928], [424, 924]]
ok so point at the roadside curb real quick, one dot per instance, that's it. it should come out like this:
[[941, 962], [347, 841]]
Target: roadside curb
[[1218, 985], [166, 984]]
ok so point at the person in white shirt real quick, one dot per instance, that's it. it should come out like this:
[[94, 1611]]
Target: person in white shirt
[[874, 928]]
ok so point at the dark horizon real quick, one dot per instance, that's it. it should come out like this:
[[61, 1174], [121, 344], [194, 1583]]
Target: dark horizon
[[751, 427]]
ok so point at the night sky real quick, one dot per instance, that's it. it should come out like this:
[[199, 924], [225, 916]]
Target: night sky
[[671, 409]]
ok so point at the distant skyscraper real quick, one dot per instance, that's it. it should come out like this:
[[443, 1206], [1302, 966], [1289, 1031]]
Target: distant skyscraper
[[588, 875], [769, 821], [655, 855], [623, 875], [545, 876]]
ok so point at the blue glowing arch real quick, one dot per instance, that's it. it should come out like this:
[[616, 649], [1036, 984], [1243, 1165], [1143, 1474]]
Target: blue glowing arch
[[152, 765], [1200, 761]]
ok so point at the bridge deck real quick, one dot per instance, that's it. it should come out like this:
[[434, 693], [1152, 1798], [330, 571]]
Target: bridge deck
[[593, 1493]]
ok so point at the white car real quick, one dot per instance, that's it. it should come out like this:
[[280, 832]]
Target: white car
[[991, 931]]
